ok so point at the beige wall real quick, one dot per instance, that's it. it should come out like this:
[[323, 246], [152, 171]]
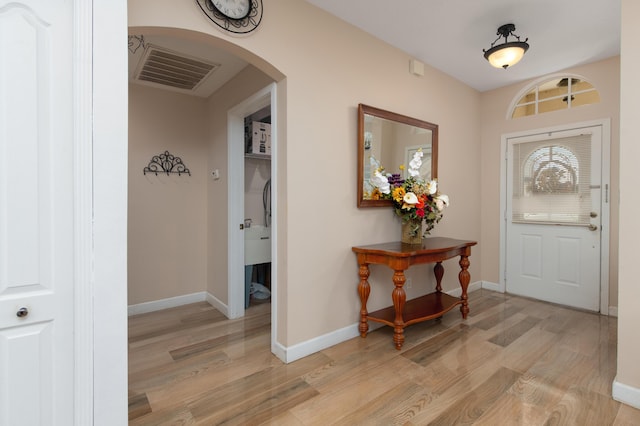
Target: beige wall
[[629, 290], [167, 214], [327, 74], [605, 76]]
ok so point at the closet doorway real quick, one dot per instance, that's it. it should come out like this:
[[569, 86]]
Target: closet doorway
[[263, 99]]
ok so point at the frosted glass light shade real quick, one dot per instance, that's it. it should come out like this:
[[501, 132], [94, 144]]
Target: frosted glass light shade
[[507, 54]]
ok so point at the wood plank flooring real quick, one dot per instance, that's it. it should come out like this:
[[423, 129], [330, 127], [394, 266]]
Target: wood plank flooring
[[514, 361]]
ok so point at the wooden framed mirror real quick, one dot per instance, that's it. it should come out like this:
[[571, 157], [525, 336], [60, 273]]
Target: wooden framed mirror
[[389, 140]]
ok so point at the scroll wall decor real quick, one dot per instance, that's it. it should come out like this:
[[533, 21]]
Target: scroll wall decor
[[166, 163]]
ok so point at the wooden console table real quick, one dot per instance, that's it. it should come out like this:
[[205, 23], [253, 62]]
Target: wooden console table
[[399, 257]]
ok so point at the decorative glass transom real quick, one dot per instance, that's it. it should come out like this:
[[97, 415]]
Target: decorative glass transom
[[556, 94]]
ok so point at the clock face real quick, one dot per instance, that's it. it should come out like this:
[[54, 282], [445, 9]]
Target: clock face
[[234, 9], [233, 16]]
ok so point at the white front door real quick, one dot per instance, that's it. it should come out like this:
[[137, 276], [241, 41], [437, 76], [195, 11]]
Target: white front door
[[553, 217], [36, 213]]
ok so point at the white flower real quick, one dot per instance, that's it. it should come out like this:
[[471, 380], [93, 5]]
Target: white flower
[[410, 198], [415, 164], [442, 201], [380, 181], [432, 187]]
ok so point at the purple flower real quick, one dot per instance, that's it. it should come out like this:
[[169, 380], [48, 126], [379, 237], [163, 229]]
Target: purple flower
[[395, 179]]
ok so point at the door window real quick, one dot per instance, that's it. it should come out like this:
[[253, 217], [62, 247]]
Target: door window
[[552, 181]]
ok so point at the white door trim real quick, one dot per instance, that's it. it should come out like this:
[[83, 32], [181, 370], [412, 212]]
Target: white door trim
[[83, 210], [235, 149], [604, 201]]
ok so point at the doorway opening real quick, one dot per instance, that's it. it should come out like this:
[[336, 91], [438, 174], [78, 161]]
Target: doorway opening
[[254, 247]]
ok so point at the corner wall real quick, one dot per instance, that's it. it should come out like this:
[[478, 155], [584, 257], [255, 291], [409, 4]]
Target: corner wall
[[626, 387], [167, 214]]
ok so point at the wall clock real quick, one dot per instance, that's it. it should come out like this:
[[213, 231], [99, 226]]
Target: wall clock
[[234, 16]]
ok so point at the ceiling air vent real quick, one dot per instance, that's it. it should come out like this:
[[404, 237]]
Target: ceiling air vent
[[167, 68]]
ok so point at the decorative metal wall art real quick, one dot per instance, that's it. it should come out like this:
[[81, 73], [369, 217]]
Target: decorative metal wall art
[[166, 163], [136, 42]]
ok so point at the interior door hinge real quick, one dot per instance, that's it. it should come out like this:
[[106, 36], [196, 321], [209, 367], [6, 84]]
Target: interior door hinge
[[606, 193]]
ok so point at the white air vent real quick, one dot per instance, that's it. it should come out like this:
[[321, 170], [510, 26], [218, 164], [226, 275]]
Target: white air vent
[[173, 69]]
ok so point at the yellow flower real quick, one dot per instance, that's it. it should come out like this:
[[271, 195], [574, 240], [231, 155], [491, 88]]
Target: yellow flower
[[402, 167], [398, 194]]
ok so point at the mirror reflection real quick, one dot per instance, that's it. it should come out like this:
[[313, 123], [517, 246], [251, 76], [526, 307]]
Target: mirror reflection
[[389, 140]]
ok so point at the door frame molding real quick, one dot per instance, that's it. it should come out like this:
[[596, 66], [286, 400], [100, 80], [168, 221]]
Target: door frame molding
[[83, 211], [605, 200], [235, 152]]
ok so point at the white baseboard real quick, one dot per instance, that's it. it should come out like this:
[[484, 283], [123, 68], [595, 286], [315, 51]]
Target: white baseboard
[[492, 286], [172, 302], [218, 304], [457, 292], [626, 394], [311, 346], [303, 349]]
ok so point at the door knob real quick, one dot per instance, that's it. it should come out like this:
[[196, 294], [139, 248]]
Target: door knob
[[22, 312], [593, 227]]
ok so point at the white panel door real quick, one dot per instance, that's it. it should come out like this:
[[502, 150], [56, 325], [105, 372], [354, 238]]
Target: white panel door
[[36, 213], [553, 228]]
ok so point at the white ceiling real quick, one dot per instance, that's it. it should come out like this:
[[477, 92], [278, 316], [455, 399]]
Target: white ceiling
[[450, 34]]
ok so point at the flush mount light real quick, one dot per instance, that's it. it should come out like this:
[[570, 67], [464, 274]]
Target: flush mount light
[[508, 53]]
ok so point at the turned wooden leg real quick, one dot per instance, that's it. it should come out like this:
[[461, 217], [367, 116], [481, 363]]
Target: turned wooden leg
[[363, 291], [399, 297], [464, 277], [438, 271]]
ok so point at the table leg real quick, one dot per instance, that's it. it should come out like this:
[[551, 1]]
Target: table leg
[[464, 277], [363, 291], [438, 271], [399, 298]]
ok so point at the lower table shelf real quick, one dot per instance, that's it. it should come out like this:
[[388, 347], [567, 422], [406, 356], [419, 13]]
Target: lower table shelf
[[424, 308]]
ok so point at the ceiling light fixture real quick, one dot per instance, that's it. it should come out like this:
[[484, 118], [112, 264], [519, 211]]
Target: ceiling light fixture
[[508, 53]]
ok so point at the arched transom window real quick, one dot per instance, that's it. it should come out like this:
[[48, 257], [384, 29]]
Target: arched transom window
[[558, 93]]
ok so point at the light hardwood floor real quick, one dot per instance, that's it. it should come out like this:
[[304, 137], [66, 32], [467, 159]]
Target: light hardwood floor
[[514, 361]]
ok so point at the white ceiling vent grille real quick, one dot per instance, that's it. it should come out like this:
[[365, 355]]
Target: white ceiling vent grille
[[167, 68]]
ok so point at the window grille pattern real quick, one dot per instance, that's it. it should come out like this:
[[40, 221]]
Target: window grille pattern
[[555, 94]]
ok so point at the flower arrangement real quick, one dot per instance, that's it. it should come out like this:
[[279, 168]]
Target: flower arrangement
[[415, 200]]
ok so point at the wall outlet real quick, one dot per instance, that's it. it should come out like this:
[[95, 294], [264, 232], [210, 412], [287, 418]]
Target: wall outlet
[[215, 174], [409, 283]]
